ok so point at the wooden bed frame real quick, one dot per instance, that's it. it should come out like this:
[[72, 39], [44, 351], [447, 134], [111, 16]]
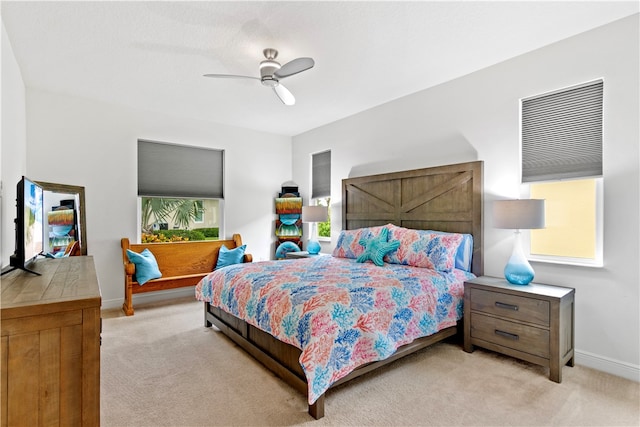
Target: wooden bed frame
[[445, 198]]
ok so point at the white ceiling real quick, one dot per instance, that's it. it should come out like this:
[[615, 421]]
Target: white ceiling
[[152, 55]]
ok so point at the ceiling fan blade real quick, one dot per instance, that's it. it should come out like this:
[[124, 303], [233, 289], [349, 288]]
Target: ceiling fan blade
[[285, 96], [294, 67], [230, 76]]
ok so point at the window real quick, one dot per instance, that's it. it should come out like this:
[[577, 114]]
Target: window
[[562, 163], [572, 232], [180, 189], [324, 228], [199, 215], [321, 188]]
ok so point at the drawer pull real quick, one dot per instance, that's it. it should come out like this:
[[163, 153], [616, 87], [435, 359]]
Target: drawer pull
[[506, 335], [506, 306]]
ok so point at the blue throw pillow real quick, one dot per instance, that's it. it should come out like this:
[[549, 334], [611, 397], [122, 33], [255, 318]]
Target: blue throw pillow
[[230, 256], [376, 248], [146, 265]]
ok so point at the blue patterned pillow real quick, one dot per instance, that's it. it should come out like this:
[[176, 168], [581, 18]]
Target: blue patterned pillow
[[146, 265], [230, 256], [376, 248]]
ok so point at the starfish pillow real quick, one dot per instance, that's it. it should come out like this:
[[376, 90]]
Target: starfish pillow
[[377, 247]]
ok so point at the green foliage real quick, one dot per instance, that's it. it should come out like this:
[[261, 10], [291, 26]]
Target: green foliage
[[208, 232], [157, 209], [185, 234], [324, 229]]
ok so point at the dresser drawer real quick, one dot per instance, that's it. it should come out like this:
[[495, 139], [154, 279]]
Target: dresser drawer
[[508, 306], [519, 337]]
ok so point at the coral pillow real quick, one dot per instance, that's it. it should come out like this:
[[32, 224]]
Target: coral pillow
[[464, 254], [348, 245], [420, 248]]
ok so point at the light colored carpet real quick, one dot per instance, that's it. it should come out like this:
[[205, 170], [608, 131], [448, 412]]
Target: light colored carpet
[[162, 367]]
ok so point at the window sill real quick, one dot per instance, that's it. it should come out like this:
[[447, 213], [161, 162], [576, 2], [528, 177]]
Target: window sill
[[568, 261]]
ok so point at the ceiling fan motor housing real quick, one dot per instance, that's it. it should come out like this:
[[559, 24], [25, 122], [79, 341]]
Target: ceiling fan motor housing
[[268, 67]]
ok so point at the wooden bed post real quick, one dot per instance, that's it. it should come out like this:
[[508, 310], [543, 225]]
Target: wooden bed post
[[316, 410], [207, 322]]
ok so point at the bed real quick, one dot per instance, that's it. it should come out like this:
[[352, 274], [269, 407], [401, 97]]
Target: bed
[[297, 316]]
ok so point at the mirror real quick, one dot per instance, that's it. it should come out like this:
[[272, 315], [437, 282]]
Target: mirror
[[60, 197]]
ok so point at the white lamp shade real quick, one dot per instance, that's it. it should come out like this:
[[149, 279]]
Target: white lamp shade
[[314, 214], [518, 214]]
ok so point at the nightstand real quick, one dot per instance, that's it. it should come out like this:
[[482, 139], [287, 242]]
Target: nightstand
[[302, 254], [531, 322]]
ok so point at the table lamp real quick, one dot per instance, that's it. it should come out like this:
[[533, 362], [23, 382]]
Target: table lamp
[[518, 215], [313, 215]]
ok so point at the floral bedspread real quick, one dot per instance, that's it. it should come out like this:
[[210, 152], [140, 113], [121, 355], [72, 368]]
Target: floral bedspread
[[340, 313]]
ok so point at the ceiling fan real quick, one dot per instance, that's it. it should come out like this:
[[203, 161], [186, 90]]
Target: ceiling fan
[[271, 73]]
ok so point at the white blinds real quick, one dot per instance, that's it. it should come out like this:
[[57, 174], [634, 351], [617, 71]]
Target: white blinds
[[168, 170], [321, 174], [562, 134]]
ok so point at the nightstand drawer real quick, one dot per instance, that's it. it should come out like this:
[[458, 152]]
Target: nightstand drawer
[[514, 307], [519, 337]]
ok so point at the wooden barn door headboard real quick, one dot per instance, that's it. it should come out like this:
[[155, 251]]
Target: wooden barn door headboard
[[443, 198]]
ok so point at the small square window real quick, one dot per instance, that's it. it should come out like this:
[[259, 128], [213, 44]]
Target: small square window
[[324, 228], [573, 222]]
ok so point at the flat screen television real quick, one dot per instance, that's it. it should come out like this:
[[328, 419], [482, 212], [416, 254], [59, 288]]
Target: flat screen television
[[29, 225]]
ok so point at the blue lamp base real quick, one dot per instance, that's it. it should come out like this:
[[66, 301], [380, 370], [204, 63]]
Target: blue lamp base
[[313, 247], [518, 270]]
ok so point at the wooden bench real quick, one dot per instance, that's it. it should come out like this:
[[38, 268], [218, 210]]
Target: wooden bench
[[181, 264]]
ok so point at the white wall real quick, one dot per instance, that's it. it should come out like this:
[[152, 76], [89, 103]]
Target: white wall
[[82, 142], [476, 117], [13, 147]]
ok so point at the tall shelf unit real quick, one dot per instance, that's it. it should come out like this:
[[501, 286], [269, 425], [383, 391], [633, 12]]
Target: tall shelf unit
[[289, 221]]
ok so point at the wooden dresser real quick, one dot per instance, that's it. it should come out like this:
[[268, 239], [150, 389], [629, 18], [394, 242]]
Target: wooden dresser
[[532, 322], [51, 344]]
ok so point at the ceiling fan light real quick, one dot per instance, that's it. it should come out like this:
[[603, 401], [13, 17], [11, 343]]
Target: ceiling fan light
[[269, 81]]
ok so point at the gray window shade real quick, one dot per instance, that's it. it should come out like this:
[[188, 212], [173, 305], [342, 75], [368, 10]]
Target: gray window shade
[[321, 175], [167, 170], [562, 134]]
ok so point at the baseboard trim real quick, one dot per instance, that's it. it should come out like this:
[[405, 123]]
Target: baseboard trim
[[150, 297], [608, 365]]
